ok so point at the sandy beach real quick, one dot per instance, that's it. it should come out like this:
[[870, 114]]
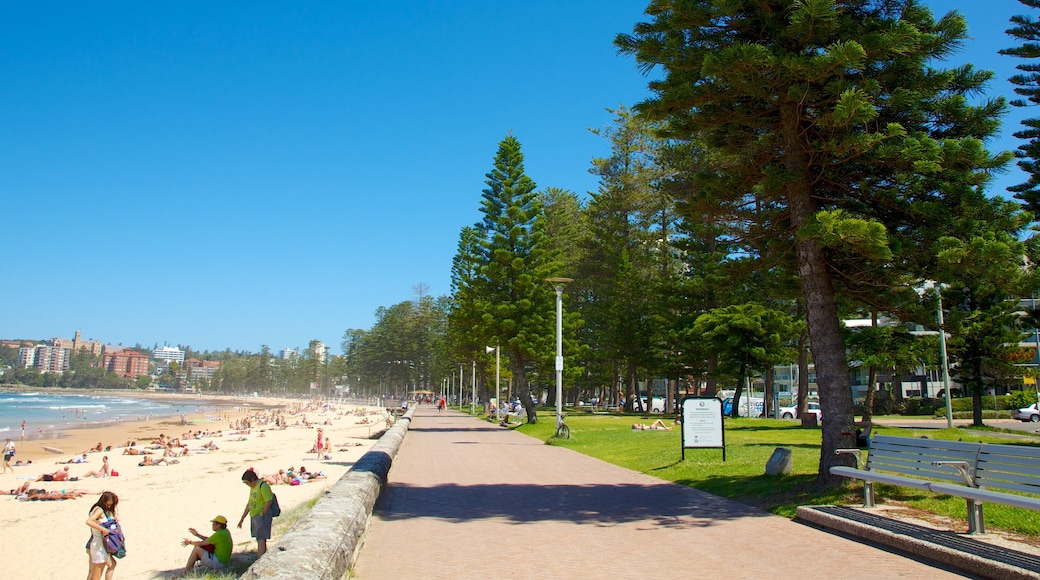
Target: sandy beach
[[157, 504]]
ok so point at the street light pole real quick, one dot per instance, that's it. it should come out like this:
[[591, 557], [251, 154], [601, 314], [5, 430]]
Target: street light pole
[[945, 360], [559, 283], [473, 387]]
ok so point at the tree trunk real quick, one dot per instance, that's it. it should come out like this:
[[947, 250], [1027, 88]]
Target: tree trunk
[[710, 386], [803, 370], [868, 400], [767, 394], [520, 379], [826, 341], [633, 385]]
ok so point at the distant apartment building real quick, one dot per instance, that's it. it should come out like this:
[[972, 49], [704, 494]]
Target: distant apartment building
[[47, 358], [201, 369], [321, 351], [168, 354], [289, 353], [126, 363], [26, 356]]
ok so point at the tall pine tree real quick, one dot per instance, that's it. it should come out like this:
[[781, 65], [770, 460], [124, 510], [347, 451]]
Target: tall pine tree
[[815, 106]]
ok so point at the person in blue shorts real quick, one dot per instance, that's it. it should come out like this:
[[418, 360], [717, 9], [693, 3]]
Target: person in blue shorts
[[258, 508]]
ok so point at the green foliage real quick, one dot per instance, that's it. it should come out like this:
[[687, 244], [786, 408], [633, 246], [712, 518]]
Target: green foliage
[[747, 339], [1027, 85]]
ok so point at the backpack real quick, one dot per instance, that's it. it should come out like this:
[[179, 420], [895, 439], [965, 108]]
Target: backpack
[[276, 510], [115, 543]]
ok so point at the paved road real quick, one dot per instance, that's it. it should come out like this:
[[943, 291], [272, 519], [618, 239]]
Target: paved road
[[919, 423], [468, 499]]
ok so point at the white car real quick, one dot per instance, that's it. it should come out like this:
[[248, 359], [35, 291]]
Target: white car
[[812, 408], [1029, 413], [657, 407]]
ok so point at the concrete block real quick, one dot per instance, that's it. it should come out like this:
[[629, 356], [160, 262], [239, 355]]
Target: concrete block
[[780, 462]]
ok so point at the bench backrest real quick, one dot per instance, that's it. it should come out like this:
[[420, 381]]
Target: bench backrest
[[1009, 467], [913, 457]]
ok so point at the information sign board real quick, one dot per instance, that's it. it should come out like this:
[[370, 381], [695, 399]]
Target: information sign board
[[702, 424]]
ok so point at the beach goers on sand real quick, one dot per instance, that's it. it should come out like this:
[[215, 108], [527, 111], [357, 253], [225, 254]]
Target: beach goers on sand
[[157, 533], [100, 560], [77, 459], [213, 551]]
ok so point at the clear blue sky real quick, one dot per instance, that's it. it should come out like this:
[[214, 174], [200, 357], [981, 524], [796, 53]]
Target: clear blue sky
[[232, 174]]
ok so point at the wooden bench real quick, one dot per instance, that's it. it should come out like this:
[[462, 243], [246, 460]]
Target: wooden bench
[[957, 468]]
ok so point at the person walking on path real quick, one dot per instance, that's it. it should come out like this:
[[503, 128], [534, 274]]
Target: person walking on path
[[213, 551], [102, 511], [8, 454], [258, 508]]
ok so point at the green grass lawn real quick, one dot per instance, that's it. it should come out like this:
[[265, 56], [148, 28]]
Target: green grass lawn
[[749, 443]]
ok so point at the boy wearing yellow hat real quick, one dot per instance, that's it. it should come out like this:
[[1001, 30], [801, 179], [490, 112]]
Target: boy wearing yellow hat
[[213, 551]]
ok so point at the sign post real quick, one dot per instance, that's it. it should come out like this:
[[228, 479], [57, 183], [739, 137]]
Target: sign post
[[702, 424]]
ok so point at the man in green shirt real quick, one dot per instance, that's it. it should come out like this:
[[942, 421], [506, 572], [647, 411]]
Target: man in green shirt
[[213, 551]]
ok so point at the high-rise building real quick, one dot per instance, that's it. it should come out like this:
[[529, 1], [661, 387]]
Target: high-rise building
[[49, 359], [168, 354]]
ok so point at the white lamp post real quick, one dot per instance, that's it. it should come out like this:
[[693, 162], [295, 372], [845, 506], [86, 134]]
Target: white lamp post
[[559, 283], [498, 366], [942, 348], [473, 387], [945, 360]]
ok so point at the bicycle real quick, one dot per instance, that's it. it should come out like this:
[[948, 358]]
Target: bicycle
[[562, 430]]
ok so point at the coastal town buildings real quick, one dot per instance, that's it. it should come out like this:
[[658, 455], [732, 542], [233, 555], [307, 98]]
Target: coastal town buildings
[[200, 369]]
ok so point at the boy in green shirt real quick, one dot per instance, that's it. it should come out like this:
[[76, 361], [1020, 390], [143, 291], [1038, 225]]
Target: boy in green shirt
[[213, 551]]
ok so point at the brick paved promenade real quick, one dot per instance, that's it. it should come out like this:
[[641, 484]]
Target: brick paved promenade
[[468, 499]]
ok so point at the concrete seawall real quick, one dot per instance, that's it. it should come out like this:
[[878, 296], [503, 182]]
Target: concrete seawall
[[324, 543]]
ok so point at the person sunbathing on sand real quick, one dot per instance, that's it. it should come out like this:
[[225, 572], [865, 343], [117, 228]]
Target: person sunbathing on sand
[[161, 461], [105, 471], [44, 495], [61, 475], [79, 459], [20, 490], [136, 451]]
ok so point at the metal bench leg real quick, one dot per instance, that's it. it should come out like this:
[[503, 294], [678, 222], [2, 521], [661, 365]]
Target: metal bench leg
[[976, 522], [868, 494]]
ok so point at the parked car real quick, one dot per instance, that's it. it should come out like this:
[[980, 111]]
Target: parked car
[[656, 407], [812, 408], [753, 407], [1029, 413]]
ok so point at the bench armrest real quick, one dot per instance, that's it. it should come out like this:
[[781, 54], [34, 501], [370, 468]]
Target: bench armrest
[[962, 468], [855, 453]]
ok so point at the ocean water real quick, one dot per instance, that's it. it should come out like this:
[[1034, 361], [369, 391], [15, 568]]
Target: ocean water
[[44, 413]]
